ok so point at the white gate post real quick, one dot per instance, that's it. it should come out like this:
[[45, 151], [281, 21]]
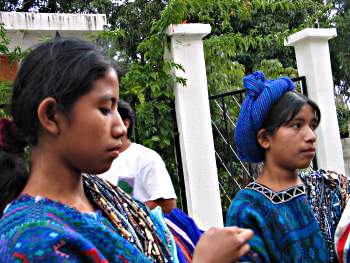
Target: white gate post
[[313, 60], [194, 123]]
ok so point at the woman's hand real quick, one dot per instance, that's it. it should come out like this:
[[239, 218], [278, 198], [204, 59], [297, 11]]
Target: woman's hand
[[222, 245]]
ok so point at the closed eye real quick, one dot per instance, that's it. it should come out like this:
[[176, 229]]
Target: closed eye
[[313, 126], [105, 111]]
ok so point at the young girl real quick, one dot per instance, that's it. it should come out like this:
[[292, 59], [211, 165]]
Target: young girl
[[292, 216], [64, 107]]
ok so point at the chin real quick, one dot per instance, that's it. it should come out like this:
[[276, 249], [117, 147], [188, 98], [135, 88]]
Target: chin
[[304, 165], [100, 170]]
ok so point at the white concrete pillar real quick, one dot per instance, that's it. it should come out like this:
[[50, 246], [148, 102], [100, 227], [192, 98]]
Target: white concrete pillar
[[194, 124], [313, 61]]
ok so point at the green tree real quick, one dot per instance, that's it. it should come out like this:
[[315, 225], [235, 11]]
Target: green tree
[[340, 53], [340, 58], [246, 35]]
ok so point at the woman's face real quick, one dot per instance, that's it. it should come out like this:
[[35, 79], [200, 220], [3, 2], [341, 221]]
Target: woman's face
[[292, 146], [91, 138]]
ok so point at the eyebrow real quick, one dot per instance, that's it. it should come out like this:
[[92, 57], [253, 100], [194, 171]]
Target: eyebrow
[[302, 119], [108, 97]]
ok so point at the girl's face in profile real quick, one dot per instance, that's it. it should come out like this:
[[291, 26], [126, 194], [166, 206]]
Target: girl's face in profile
[[91, 136], [293, 145]]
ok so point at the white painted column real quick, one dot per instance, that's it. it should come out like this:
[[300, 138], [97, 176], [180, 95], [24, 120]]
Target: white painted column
[[313, 61], [194, 124]]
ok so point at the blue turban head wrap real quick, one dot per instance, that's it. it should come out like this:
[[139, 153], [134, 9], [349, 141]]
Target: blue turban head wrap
[[261, 95]]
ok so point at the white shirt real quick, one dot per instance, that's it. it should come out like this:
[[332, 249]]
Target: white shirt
[[144, 171]]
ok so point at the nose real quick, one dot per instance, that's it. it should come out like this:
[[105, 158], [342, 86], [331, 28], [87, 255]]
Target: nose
[[310, 135], [118, 127]]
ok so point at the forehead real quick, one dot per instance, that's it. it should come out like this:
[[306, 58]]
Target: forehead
[[108, 85], [306, 112]]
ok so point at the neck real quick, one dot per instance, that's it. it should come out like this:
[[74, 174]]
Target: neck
[[277, 178], [126, 143], [51, 179]]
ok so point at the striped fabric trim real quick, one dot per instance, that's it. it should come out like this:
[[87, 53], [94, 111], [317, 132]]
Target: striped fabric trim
[[183, 247], [179, 231], [343, 243]]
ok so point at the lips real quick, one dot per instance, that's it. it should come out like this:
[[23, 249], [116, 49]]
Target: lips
[[309, 151], [114, 151]]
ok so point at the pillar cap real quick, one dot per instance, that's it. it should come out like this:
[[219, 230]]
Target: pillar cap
[[14, 21], [310, 33], [188, 29]]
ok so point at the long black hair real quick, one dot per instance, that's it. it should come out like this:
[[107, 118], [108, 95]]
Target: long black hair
[[64, 69]]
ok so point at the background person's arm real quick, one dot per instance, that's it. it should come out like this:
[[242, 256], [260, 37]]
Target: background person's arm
[[166, 204]]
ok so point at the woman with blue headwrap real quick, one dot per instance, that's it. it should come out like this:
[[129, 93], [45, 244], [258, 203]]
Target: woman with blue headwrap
[[290, 219]]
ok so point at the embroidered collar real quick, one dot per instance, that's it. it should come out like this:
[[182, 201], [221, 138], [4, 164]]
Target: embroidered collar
[[278, 197]]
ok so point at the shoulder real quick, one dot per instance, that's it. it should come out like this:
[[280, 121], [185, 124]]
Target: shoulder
[[246, 203], [145, 157], [248, 195], [28, 212], [327, 180], [328, 177], [332, 182], [31, 232], [146, 152]]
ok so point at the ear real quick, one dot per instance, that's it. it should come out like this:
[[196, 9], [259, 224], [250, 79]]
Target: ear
[[47, 115], [263, 139]]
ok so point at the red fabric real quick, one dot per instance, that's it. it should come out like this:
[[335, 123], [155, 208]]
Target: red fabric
[[23, 257], [94, 255], [341, 243]]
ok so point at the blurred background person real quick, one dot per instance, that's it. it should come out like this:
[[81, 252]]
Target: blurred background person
[[139, 170]]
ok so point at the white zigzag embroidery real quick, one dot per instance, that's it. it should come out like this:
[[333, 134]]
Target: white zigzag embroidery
[[278, 197]]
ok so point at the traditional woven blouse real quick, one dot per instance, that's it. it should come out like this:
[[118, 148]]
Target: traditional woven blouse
[[285, 229], [36, 229], [277, 216]]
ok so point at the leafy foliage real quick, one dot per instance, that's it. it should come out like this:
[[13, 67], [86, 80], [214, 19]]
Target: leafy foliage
[[340, 50], [246, 35], [343, 114], [13, 57], [340, 58]]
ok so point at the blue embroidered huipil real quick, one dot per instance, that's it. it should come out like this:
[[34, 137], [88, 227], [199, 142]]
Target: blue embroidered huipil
[[36, 229], [285, 229]]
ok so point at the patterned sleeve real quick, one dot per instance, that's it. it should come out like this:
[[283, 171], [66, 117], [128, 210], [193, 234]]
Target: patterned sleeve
[[41, 241], [241, 215]]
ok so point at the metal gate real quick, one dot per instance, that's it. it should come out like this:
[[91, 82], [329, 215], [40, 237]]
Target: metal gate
[[233, 173]]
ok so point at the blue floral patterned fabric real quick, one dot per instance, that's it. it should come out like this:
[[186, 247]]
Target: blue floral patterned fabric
[[283, 223], [36, 229], [327, 193]]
